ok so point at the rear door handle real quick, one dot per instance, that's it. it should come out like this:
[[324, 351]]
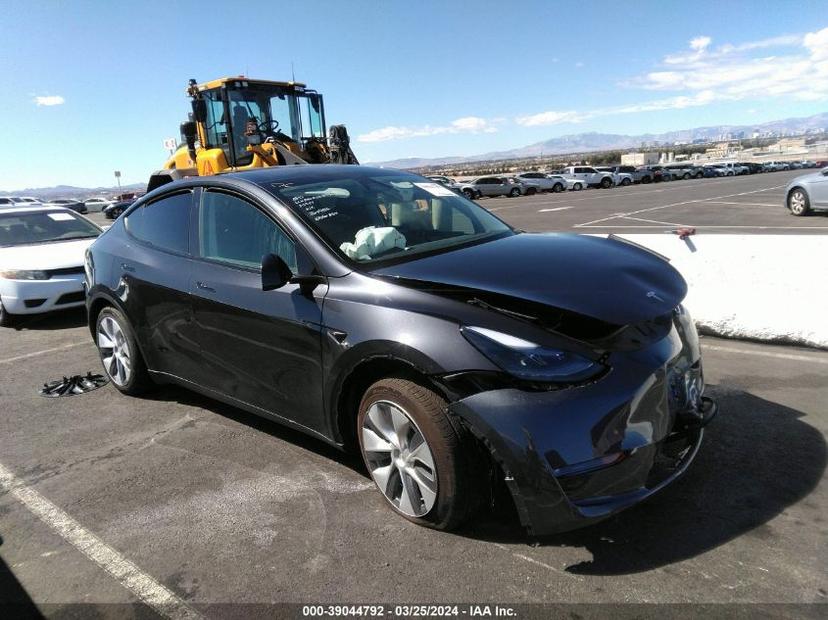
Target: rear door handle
[[204, 287], [127, 267]]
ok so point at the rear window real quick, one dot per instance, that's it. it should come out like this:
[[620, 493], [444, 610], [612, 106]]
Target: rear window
[[164, 223]]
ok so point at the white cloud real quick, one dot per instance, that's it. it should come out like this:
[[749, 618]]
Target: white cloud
[[552, 117], [49, 100], [700, 43], [467, 124], [797, 68]]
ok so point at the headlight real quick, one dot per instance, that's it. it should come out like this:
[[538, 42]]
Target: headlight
[[529, 361], [24, 275]]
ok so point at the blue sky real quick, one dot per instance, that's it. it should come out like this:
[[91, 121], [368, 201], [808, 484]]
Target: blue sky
[[91, 87]]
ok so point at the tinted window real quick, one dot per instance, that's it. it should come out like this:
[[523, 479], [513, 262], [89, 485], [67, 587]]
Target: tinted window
[[164, 223], [234, 231]]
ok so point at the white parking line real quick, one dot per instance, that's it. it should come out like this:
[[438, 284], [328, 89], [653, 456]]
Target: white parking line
[[11, 360], [142, 585], [555, 209], [744, 204], [675, 204], [700, 226], [782, 356]]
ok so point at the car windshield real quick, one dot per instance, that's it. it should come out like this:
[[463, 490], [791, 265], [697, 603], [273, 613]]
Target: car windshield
[[43, 227], [373, 218]]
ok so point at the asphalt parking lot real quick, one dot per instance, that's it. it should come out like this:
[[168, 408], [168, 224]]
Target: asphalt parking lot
[[214, 506], [750, 204], [192, 505]]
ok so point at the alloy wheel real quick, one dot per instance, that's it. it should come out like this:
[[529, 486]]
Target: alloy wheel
[[797, 202], [114, 350], [399, 458]]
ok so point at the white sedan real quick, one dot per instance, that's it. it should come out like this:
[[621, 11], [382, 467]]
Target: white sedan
[[41, 260]]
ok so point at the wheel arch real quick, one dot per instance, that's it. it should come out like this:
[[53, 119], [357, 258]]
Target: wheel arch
[[94, 308], [352, 383]]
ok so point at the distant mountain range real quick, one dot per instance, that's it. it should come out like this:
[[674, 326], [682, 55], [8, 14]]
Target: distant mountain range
[[592, 141], [71, 191]]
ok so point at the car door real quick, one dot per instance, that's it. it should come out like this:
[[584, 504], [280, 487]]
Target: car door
[[262, 348], [153, 269], [488, 186], [818, 190]]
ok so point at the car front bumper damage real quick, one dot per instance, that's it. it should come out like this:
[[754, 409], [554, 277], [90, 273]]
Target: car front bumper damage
[[575, 456]]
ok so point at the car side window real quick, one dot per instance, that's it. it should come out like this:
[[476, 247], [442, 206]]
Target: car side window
[[163, 223], [234, 231]]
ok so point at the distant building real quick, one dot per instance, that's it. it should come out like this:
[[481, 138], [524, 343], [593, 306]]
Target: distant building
[[639, 159]]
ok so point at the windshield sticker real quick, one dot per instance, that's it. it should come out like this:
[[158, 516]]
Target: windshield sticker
[[61, 217], [435, 189]]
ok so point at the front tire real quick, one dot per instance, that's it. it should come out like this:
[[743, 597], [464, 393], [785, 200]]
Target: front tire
[[577, 187], [606, 183], [468, 194], [514, 193], [119, 352], [6, 319], [626, 182], [798, 202], [557, 188], [419, 462]]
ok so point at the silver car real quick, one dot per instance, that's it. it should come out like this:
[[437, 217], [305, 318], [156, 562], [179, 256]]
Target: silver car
[[540, 181], [497, 186], [808, 193]]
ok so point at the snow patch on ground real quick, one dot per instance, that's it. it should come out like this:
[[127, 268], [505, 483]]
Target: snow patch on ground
[[763, 287]]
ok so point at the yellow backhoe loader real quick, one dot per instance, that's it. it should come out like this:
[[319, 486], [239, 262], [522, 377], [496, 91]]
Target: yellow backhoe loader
[[240, 123]]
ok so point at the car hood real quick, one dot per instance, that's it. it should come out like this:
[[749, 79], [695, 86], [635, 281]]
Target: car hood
[[607, 279], [806, 178], [54, 255]]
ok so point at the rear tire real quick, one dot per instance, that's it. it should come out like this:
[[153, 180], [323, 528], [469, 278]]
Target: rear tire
[[646, 180], [686, 176], [119, 353], [577, 187], [468, 194], [606, 183], [6, 319], [798, 202], [423, 467], [557, 188], [626, 182]]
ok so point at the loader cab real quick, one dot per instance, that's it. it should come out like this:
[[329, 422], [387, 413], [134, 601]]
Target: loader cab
[[235, 113]]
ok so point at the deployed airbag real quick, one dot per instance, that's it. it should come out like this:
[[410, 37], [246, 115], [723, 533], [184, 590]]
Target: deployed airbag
[[373, 240]]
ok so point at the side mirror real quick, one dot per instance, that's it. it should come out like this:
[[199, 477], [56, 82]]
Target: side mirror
[[275, 272], [825, 172]]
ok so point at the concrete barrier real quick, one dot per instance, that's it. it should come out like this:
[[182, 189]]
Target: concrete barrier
[[763, 287]]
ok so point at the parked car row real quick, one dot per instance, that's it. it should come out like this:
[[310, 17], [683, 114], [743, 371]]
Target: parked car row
[[90, 205]]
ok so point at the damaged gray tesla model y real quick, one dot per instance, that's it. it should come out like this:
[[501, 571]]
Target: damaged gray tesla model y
[[380, 311]]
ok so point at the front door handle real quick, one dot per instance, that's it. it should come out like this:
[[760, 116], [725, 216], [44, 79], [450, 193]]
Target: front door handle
[[205, 287]]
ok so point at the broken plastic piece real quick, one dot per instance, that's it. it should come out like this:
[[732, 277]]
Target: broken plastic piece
[[684, 232], [76, 384]]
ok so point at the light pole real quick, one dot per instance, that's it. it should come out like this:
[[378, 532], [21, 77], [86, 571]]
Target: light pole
[[118, 178]]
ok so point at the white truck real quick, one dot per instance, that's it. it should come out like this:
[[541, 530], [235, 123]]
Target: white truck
[[589, 175]]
